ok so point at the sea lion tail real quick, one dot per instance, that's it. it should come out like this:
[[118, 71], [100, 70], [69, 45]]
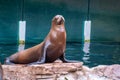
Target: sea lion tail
[[7, 61]]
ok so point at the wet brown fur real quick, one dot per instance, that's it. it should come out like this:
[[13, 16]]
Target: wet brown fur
[[56, 41]]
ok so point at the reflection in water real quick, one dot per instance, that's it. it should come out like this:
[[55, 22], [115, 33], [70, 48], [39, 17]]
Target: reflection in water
[[86, 47], [21, 47], [86, 50]]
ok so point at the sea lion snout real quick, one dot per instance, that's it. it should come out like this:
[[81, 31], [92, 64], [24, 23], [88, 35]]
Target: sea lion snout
[[59, 19]]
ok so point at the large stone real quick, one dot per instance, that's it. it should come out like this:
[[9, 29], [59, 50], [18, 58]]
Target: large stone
[[61, 71], [102, 72], [111, 72], [50, 71]]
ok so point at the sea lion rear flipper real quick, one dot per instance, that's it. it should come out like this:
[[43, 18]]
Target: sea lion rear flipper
[[8, 62]]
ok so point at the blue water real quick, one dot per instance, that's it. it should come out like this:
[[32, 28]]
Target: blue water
[[92, 54]]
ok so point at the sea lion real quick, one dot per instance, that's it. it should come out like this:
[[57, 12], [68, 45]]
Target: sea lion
[[52, 48]]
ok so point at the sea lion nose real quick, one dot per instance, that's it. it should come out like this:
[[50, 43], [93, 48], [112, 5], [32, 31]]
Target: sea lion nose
[[59, 19]]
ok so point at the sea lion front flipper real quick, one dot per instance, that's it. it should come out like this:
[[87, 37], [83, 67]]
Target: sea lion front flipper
[[62, 57]]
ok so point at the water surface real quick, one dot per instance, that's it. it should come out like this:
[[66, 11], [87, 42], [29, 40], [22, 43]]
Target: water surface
[[92, 54]]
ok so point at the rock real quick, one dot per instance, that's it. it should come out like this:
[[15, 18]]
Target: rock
[[101, 73], [61, 71], [111, 72], [50, 71]]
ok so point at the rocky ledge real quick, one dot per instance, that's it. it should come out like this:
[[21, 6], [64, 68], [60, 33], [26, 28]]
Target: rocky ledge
[[60, 71]]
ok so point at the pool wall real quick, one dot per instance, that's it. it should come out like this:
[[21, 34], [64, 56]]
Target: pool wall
[[38, 14]]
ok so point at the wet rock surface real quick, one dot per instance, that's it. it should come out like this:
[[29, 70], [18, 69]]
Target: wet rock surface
[[61, 71]]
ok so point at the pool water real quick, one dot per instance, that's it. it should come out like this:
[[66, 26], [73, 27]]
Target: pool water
[[92, 54]]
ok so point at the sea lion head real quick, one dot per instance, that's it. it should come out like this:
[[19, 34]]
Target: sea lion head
[[58, 20]]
